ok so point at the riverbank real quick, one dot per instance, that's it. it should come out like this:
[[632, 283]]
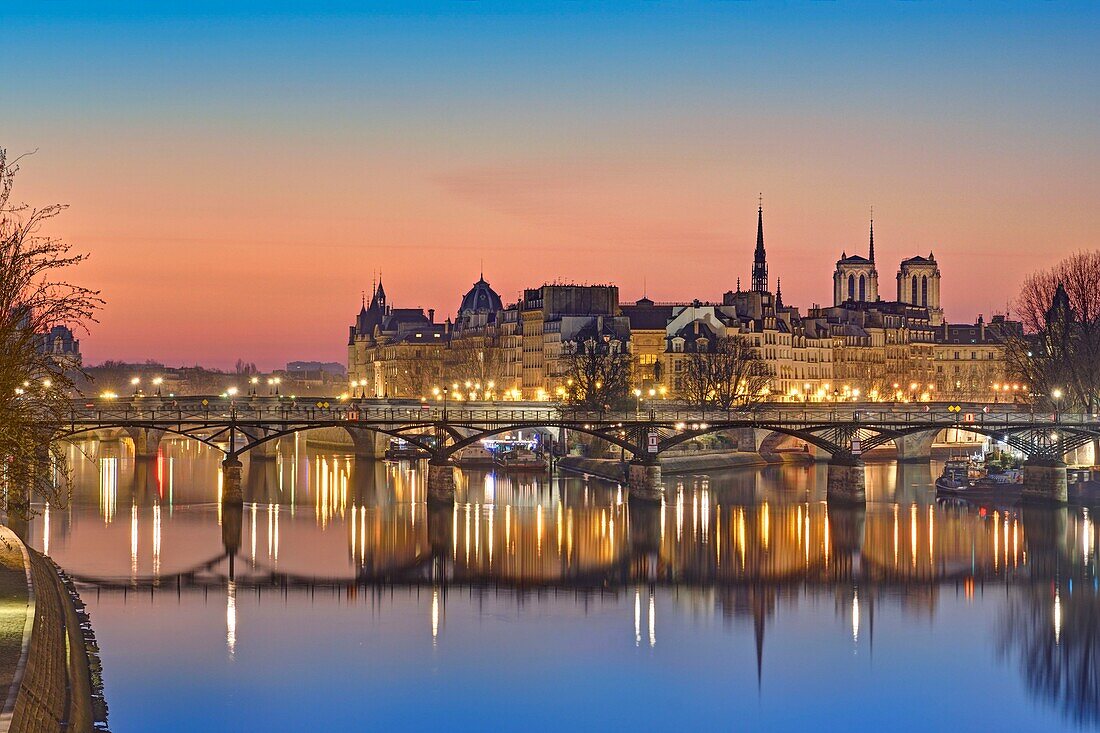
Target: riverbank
[[49, 672]]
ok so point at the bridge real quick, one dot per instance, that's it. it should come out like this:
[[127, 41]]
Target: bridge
[[840, 431]]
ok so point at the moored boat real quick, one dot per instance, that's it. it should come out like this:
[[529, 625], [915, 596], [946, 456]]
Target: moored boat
[[521, 459]]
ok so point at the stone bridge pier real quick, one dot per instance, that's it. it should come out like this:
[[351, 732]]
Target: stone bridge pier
[[915, 447], [847, 482], [369, 444], [1045, 481], [231, 481], [643, 480], [441, 481], [146, 441]]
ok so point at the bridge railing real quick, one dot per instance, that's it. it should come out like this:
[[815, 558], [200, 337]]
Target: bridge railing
[[219, 411]]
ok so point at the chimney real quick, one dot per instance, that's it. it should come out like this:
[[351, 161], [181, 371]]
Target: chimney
[[981, 328], [431, 315]]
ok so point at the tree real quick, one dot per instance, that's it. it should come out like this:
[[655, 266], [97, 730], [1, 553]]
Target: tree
[[476, 360], [1059, 352], [728, 374], [598, 373], [34, 389]]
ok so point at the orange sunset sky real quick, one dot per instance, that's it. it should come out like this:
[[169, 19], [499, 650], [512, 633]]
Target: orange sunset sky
[[239, 178]]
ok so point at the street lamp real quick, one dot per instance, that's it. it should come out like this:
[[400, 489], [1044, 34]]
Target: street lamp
[[1056, 397], [134, 382], [157, 381]]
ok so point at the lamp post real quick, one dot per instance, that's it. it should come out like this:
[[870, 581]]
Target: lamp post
[[638, 397], [135, 383], [157, 381], [445, 403], [1056, 397]]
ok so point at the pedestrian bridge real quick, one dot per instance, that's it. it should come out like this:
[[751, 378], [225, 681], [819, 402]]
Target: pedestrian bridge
[[843, 432]]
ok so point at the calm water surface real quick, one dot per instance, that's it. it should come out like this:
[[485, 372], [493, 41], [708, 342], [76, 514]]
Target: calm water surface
[[337, 600]]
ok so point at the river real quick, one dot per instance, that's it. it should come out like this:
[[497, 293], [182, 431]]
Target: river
[[335, 599]]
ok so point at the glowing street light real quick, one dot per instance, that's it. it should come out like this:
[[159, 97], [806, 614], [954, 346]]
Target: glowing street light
[[157, 381]]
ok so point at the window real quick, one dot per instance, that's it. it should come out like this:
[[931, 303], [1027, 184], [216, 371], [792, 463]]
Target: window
[[924, 290], [851, 287], [862, 288]]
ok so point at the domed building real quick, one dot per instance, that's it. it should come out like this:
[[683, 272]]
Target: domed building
[[479, 307], [480, 299]]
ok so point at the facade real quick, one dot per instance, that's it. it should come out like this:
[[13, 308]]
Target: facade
[[394, 352], [919, 284], [552, 316], [648, 323], [860, 348], [855, 278], [61, 346], [970, 361]]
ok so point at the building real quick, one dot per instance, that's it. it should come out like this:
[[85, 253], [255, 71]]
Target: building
[[970, 361], [554, 315], [648, 341], [62, 347], [919, 284], [855, 278], [474, 359], [394, 352]]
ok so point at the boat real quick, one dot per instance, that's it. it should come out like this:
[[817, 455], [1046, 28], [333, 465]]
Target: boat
[[521, 459], [955, 478], [474, 456], [403, 451]]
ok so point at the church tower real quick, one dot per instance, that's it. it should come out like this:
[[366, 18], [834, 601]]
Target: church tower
[[855, 277], [760, 262], [919, 284]]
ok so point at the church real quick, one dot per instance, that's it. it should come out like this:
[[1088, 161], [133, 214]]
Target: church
[[855, 280]]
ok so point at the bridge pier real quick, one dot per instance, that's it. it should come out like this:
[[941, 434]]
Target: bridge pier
[[644, 481], [369, 444], [441, 481], [146, 442], [915, 447], [847, 483], [231, 481], [1045, 481]]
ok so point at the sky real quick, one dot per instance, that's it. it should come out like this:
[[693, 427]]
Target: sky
[[239, 175]]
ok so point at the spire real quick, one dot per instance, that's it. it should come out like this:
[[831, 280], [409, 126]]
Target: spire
[[778, 294], [759, 262], [871, 253]]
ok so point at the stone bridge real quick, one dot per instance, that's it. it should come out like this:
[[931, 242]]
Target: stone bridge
[[843, 432]]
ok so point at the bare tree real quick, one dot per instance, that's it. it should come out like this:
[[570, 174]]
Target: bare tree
[[479, 362], [414, 376], [598, 372], [1060, 351], [727, 375], [34, 388]]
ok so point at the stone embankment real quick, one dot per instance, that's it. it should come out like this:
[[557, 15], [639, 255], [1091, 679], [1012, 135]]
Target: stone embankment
[[673, 463], [48, 654]]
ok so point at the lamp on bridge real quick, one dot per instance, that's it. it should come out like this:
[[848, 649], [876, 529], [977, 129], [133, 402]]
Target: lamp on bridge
[[1056, 397], [252, 386], [157, 381], [135, 383]]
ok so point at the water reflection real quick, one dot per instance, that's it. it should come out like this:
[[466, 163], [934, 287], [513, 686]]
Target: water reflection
[[746, 546]]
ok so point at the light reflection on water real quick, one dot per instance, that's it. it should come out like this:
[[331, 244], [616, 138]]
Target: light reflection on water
[[336, 596]]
